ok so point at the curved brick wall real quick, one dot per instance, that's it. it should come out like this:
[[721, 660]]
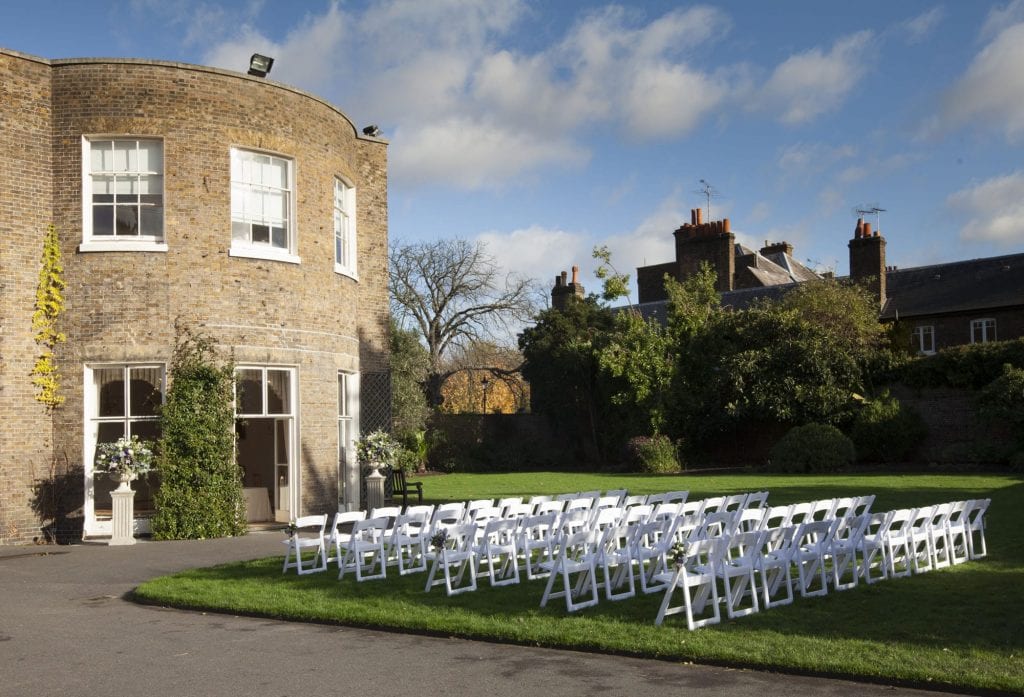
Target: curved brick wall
[[122, 306]]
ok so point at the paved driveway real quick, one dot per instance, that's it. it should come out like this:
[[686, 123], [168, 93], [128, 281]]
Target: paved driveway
[[66, 631]]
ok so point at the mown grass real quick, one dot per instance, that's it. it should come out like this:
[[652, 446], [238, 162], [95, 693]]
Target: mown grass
[[960, 628]]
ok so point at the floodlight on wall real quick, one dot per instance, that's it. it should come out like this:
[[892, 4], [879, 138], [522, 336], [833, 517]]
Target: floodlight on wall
[[372, 130], [260, 65]]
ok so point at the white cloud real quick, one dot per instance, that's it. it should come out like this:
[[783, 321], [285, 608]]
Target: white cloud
[[992, 89], [668, 100], [536, 252], [304, 58], [474, 154], [812, 158], [1001, 17], [995, 210], [917, 29], [812, 83]]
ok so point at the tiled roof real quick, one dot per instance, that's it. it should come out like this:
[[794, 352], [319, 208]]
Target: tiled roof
[[959, 286]]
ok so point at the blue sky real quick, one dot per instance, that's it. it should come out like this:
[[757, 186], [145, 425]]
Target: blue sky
[[545, 128]]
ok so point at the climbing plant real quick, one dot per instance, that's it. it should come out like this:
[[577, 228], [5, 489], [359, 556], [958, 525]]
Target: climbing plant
[[49, 306], [200, 494]]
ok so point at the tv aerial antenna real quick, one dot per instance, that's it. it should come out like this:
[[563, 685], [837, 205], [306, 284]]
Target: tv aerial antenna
[[709, 192], [870, 209]]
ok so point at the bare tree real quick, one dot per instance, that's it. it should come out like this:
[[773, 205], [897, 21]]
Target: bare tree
[[455, 294]]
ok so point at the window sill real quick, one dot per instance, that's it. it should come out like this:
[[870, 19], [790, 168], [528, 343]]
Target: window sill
[[342, 271], [123, 246], [267, 254]]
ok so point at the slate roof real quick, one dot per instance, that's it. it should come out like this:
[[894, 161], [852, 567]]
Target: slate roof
[[954, 287], [959, 286]]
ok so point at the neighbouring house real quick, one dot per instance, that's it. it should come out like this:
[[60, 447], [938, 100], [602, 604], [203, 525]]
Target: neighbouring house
[[960, 302], [243, 209]]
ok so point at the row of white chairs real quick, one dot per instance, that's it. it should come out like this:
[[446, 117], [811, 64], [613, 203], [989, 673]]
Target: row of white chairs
[[833, 552]]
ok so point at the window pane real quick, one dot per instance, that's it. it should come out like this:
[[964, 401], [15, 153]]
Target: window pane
[[146, 430], [127, 220], [239, 231], [278, 401], [109, 392], [126, 188], [145, 391], [152, 221], [238, 193], [279, 238], [250, 391], [102, 185], [274, 205], [151, 156], [121, 150], [342, 395], [260, 233], [151, 184], [103, 220], [281, 428], [108, 432]]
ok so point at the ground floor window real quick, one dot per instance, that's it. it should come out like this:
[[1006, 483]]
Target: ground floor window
[[348, 400], [265, 422], [120, 400], [923, 340], [983, 330]]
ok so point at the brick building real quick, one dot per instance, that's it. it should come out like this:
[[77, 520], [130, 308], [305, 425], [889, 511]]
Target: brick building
[[240, 208], [942, 305]]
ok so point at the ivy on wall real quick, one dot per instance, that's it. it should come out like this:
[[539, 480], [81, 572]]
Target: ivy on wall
[[49, 306]]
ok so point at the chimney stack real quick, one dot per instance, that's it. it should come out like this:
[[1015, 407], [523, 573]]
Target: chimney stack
[[564, 292], [867, 260]]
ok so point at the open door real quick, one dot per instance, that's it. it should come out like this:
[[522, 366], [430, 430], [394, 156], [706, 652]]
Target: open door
[[282, 468]]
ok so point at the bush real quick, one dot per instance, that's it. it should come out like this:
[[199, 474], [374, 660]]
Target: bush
[[886, 431], [812, 448], [200, 494], [652, 455], [1003, 399], [971, 366]]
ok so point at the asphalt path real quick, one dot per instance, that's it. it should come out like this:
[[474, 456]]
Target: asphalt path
[[66, 629]]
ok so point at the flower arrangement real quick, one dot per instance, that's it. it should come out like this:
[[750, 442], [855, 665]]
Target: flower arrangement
[[290, 529], [678, 554], [438, 540], [125, 456], [377, 449]]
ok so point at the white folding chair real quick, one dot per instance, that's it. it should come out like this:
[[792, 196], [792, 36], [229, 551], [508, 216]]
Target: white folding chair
[[517, 511], [938, 536], [651, 546], [574, 566], [843, 507], [498, 551], [536, 501], [619, 494], [809, 555], [957, 532], [751, 519], [713, 504], [340, 529], [536, 543], [454, 558], [307, 535], [773, 563], [777, 516], [631, 501], [696, 578], [364, 550], [872, 547], [898, 548], [407, 544], [737, 560], [921, 539], [976, 527], [822, 509], [800, 513], [757, 499], [447, 515], [846, 543], [472, 506], [615, 557], [504, 504], [734, 502], [678, 496], [862, 504]]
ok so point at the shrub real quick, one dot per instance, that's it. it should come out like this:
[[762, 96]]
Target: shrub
[[1003, 399], [886, 431], [971, 366], [812, 448], [200, 494], [652, 455]]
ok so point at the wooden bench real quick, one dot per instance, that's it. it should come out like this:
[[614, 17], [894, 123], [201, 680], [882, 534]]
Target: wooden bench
[[396, 485]]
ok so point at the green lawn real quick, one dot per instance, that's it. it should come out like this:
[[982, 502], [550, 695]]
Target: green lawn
[[959, 628]]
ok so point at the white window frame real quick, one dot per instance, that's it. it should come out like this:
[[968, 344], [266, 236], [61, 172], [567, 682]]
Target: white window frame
[[983, 330], [348, 468], [264, 250], [114, 243], [923, 339], [345, 228], [91, 421]]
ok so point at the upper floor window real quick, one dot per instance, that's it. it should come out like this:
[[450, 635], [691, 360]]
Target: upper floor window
[[123, 194], [983, 330], [262, 220], [923, 339], [344, 228]]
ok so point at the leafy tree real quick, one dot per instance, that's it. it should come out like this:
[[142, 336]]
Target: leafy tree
[[49, 306], [560, 354], [200, 494], [453, 293], [484, 377], [640, 355], [410, 364]]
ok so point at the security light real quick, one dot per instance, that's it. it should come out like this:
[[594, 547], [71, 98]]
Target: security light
[[260, 65], [372, 130]]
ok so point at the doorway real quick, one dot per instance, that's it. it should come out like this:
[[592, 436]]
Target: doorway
[[265, 424]]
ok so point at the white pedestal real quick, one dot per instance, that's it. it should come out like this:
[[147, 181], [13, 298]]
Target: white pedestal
[[374, 490], [122, 524]]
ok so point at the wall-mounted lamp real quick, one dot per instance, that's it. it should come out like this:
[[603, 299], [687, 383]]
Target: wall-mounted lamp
[[260, 65], [372, 130]]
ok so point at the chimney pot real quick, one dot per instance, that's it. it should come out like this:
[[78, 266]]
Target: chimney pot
[[867, 229], [859, 230], [725, 225], [575, 274], [700, 215]]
